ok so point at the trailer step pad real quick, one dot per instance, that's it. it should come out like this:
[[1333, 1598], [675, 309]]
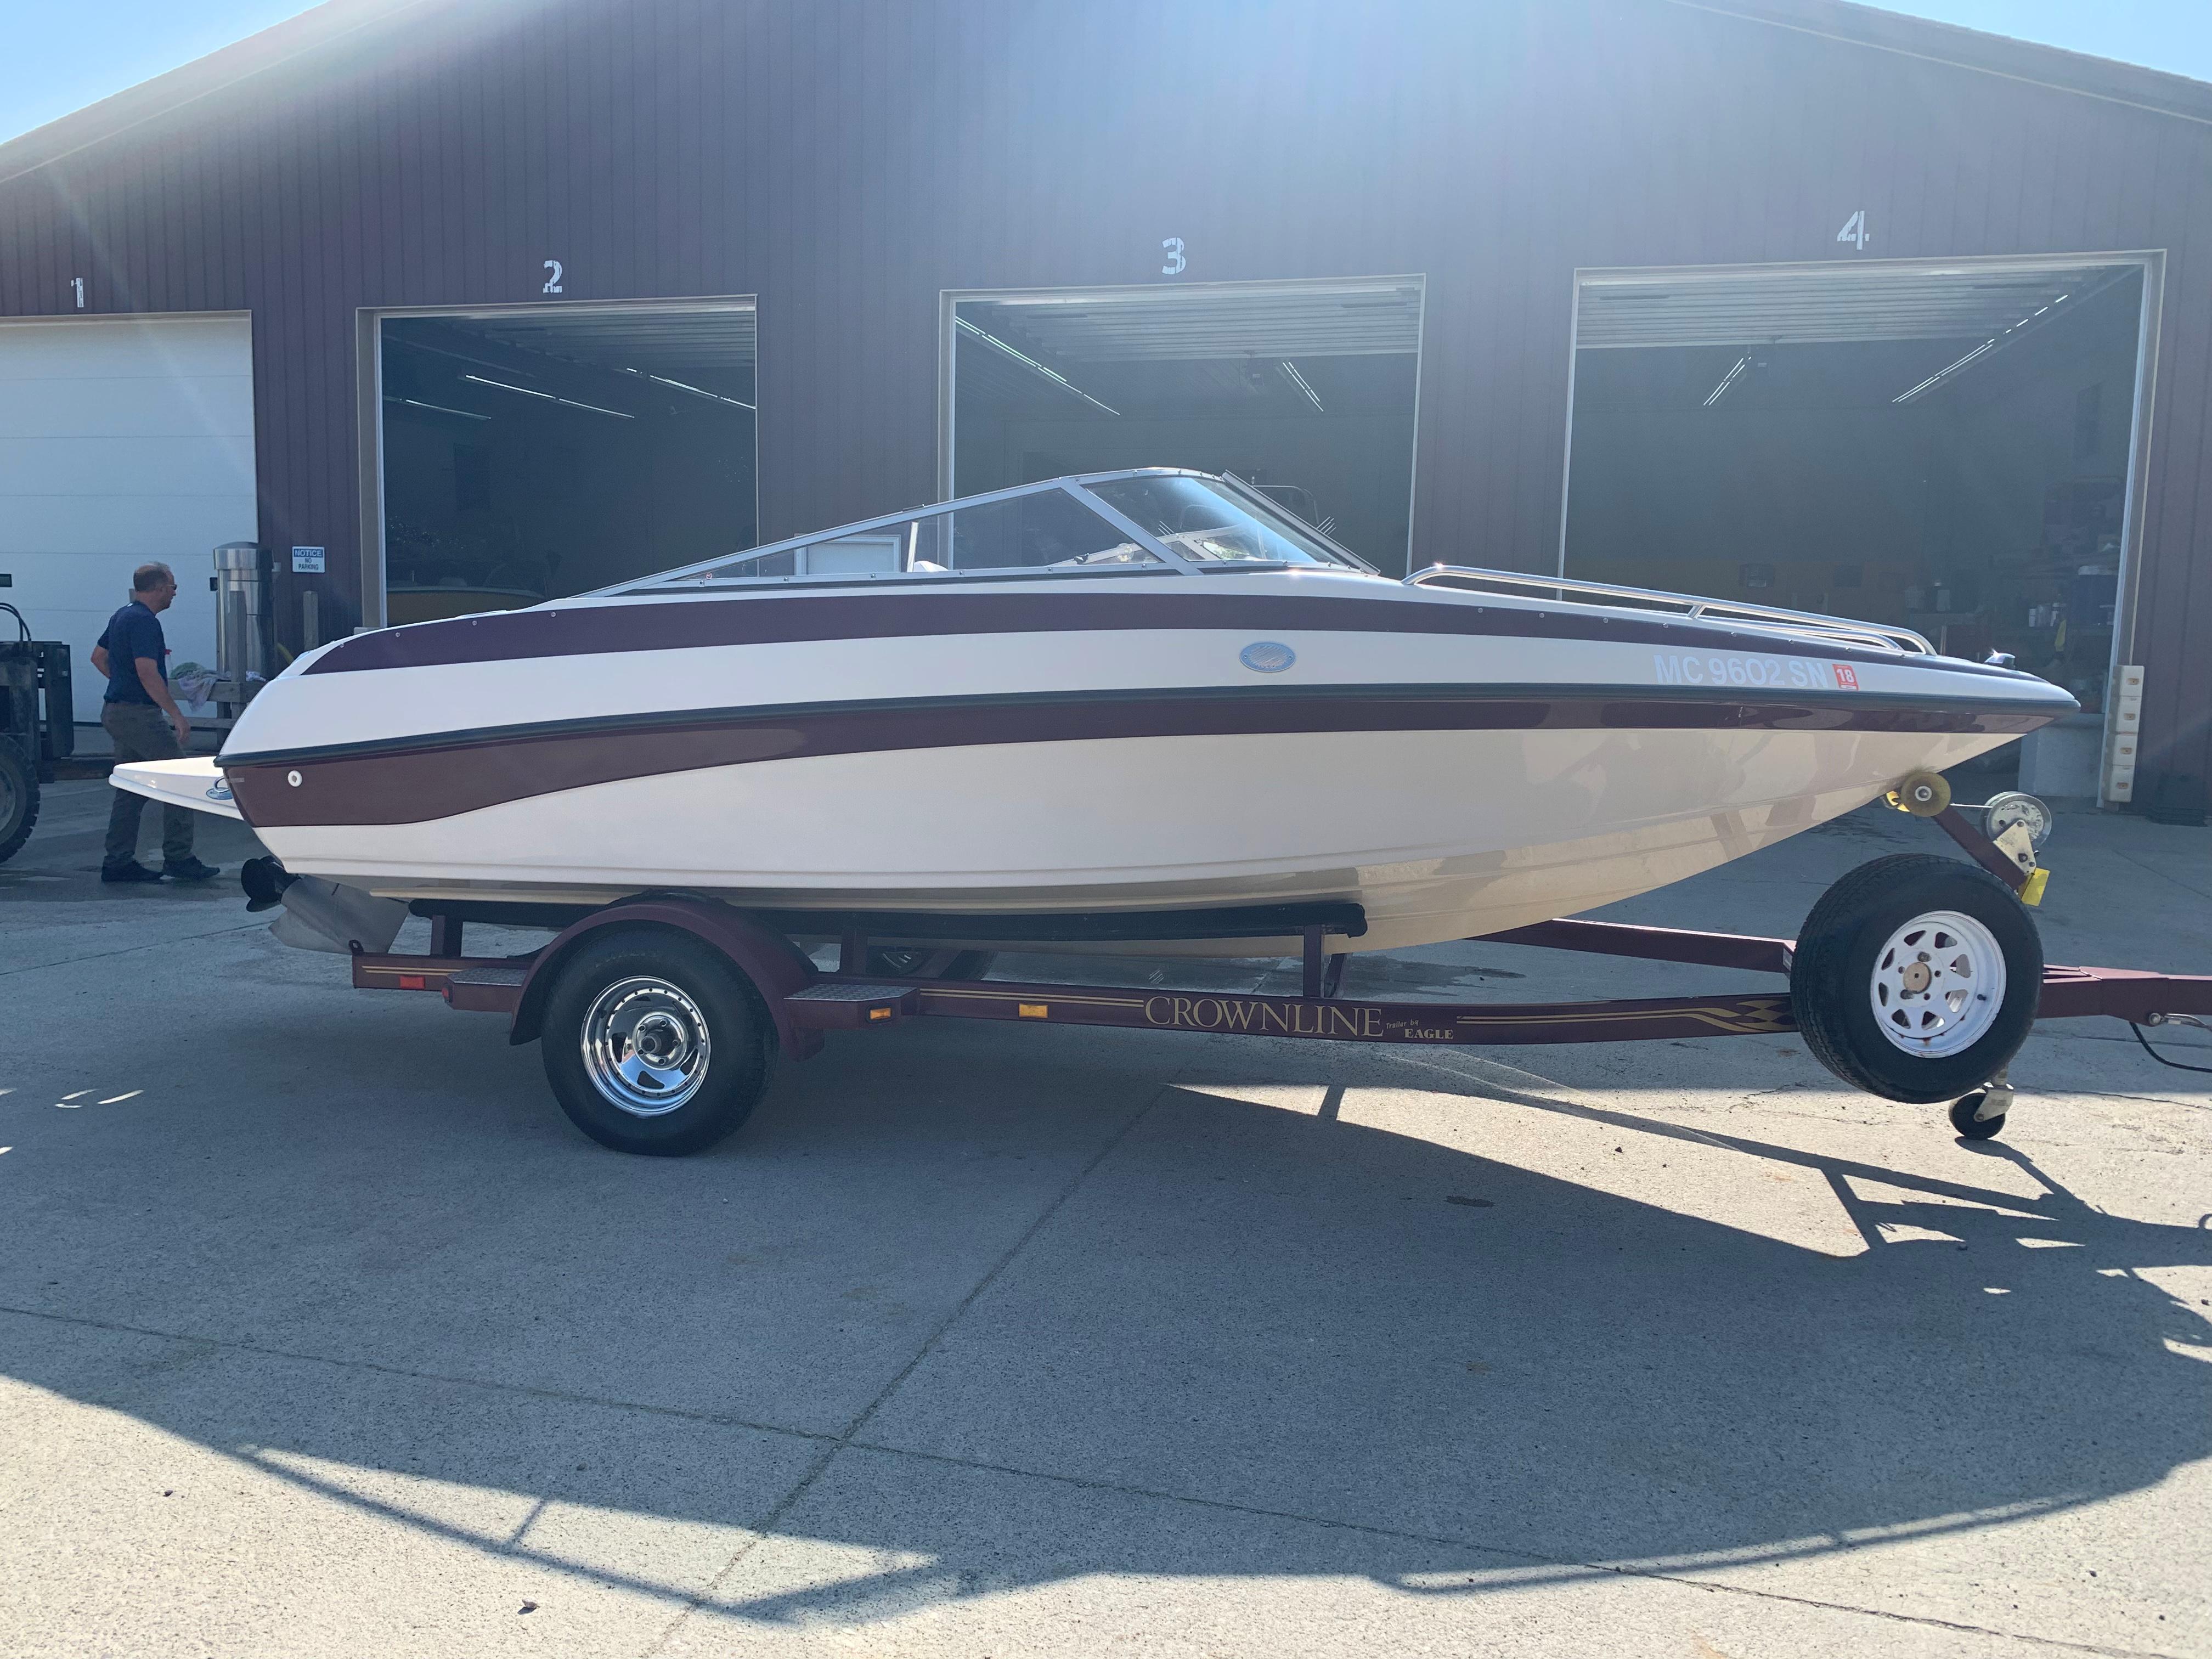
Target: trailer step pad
[[842, 1004]]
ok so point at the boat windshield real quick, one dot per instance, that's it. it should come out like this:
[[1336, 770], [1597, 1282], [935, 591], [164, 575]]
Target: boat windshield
[[1210, 524], [1040, 529]]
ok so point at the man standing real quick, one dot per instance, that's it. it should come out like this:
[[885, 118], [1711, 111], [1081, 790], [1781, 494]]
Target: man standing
[[146, 724]]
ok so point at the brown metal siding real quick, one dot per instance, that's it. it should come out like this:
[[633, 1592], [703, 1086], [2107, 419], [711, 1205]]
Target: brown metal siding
[[846, 159]]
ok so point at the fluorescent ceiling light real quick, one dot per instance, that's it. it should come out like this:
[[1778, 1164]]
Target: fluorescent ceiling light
[[1299, 381], [682, 385], [530, 392], [1910, 393], [1727, 380], [504, 386], [417, 403], [1028, 361], [1943, 374]]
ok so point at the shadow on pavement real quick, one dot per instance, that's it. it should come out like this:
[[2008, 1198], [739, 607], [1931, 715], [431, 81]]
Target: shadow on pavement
[[1476, 1375]]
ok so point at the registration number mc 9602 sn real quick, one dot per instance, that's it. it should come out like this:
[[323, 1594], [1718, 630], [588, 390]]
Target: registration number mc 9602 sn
[[1771, 673]]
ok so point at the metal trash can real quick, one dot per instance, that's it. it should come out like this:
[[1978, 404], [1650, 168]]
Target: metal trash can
[[242, 621]]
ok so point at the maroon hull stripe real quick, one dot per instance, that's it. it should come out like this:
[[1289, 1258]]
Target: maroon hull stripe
[[437, 778], [763, 619]]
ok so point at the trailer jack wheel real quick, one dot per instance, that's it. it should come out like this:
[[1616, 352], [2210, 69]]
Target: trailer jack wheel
[[1981, 1115]]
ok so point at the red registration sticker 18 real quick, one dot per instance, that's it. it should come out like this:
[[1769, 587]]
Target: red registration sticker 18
[[1847, 678]]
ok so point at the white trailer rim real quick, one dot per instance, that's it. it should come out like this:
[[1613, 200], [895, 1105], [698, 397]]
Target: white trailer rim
[[1938, 984]]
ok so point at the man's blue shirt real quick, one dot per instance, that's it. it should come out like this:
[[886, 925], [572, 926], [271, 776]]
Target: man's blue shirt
[[133, 632]]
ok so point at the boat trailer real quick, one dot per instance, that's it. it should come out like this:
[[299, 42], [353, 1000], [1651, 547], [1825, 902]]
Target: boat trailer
[[641, 991]]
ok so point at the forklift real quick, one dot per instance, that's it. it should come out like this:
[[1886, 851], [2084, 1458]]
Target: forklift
[[37, 726]]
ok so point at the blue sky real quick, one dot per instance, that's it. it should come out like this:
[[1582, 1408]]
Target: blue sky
[[61, 56]]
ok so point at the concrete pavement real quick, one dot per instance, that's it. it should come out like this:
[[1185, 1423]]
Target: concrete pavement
[[322, 1333]]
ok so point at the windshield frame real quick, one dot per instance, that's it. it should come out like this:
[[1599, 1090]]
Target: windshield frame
[[1168, 559]]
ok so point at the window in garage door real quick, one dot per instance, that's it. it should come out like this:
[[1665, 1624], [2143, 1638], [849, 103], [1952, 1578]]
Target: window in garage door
[[1304, 389]]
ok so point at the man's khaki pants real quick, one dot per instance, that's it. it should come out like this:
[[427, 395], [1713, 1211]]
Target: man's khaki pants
[[143, 733]]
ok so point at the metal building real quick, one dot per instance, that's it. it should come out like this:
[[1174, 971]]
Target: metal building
[[458, 304]]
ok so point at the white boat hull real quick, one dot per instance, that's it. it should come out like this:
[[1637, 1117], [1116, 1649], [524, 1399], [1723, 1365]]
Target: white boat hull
[[1454, 765], [1438, 835]]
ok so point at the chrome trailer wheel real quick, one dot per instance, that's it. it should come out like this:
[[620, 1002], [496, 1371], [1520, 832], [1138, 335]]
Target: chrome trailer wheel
[[654, 1042], [1916, 978], [646, 1046]]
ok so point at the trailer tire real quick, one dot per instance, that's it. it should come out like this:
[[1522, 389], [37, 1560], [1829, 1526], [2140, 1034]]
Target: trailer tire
[[1916, 978], [654, 1042], [19, 798]]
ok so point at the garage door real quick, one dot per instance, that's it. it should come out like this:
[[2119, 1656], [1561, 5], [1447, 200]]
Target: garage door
[[532, 454], [1943, 447], [122, 439]]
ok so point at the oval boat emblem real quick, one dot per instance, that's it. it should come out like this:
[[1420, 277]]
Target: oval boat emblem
[[1266, 656], [218, 790]]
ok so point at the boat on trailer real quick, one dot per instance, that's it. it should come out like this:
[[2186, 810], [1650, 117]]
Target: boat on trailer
[[1137, 711], [1149, 699]]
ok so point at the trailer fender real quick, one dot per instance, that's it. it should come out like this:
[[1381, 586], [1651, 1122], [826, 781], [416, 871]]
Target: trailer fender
[[776, 966]]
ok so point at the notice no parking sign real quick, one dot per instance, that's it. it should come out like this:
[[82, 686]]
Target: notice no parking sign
[[306, 560]]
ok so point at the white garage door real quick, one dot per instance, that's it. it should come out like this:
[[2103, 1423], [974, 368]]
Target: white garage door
[[122, 439]]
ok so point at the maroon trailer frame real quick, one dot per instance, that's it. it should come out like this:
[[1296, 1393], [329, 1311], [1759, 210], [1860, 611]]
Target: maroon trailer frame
[[803, 1001]]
